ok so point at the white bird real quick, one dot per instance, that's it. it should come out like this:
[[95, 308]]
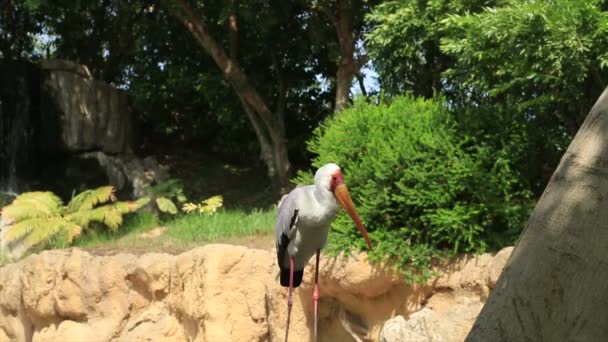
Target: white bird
[[302, 226]]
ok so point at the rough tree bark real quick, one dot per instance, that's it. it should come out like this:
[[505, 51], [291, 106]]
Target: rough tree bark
[[268, 126], [349, 64], [555, 285]]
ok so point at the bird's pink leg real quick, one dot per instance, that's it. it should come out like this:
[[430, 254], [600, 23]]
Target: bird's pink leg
[[315, 297], [290, 296]]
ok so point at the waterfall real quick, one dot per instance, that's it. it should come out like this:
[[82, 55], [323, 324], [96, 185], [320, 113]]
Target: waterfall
[[18, 139], [8, 181], [19, 86]]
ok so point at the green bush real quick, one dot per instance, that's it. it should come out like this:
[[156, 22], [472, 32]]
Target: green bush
[[423, 190]]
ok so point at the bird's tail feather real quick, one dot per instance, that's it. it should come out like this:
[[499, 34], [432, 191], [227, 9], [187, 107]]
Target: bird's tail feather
[[297, 277]]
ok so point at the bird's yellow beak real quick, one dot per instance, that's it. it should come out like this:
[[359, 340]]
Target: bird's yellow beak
[[343, 196]]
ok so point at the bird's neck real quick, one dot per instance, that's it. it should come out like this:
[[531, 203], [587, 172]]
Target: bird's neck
[[326, 199]]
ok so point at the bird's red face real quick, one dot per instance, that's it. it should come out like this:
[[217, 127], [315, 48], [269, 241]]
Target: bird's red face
[[338, 187], [336, 179]]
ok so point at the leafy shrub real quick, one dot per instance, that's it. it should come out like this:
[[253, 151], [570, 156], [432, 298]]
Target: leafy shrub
[[423, 190], [206, 207], [33, 218], [165, 194]]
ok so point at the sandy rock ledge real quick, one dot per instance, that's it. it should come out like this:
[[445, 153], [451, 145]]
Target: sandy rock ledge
[[231, 293]]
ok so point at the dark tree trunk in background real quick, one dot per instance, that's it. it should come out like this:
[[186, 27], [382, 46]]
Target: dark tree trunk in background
[[553, 287], [268, 126], [349, 64]]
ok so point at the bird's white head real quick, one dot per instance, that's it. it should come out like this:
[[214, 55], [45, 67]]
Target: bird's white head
[[329, 177], [326, 175]]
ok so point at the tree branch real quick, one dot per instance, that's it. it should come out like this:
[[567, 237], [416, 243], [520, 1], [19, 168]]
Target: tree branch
[[231, 70], [360, 61], [234, 30], [282, 91], [361, 84], [326, 12]]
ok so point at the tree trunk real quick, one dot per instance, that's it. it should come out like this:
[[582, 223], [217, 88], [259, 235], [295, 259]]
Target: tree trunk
[[269, 131], [554, 286], [349, 65]]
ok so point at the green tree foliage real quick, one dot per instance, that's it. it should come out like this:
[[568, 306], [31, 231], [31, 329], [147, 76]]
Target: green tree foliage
[[103, 35], [423, 190], [288, 49], [548, 55], [35, 217], [18, 26], [404, 43], [539, 63]]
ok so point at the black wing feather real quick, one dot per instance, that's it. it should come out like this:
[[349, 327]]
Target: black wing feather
[[281, 250]]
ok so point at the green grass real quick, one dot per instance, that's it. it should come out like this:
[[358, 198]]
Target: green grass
[[252, 228], [241, 221], [225, 224], [133, 224]]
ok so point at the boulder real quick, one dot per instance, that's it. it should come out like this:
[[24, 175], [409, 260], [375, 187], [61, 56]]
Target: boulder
[[130, 172], [93, 115]]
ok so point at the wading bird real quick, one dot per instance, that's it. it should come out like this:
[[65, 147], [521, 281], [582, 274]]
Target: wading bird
[[302, 226]]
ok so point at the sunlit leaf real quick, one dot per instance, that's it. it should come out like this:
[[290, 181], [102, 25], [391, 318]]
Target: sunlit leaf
[[165, 205]]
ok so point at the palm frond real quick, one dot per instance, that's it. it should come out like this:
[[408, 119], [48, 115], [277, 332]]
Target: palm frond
[[88, 199]]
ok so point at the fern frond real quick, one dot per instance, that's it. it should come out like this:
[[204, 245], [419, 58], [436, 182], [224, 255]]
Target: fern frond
[[112, 219], [121, 207], [126, 207], [165, 205], [139, 203], [22, 211], [45, 198], [109, 215], [57, 225], [40, 226], [210, 205], [32, 205], [72, 231], [189, 207], [88, 199]]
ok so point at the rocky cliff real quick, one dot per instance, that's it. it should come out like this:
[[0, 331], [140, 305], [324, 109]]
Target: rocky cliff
[[231, 293], [62, 130]]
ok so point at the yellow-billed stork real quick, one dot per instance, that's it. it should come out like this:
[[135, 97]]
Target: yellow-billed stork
[[302, 226]]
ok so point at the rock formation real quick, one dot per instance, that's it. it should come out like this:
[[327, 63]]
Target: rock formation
[[94, 116], [96, 123], [231, 293], [62, 130]]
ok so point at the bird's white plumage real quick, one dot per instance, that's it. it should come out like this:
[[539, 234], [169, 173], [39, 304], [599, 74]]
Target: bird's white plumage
[[317, 207]]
